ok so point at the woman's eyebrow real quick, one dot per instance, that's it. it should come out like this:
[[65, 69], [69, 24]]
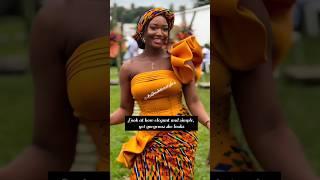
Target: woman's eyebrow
[[155, 24]]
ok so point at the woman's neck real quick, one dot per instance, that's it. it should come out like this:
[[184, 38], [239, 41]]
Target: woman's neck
[[154, 52]]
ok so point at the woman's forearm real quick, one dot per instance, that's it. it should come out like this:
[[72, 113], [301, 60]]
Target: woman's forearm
[[197, 109], [279, 150], [119, 115]]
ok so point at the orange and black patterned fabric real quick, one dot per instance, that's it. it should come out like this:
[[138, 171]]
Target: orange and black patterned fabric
[[170, 155]]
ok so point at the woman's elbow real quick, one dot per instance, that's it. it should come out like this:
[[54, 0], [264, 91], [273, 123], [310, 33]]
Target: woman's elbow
[[62, 157], [193, 104], [268, 124], [128, 110]]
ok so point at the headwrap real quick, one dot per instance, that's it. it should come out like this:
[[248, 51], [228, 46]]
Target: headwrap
[[147, 17]]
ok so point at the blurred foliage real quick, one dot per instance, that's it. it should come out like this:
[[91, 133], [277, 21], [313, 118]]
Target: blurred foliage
[[125, 15], [199, 3]]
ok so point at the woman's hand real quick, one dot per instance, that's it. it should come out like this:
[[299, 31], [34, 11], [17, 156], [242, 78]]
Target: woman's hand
[[208, 124], [118, 116]]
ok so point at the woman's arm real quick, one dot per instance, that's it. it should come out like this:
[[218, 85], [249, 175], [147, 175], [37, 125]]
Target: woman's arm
[[271, 140], [268, 135], [55, 128], [126, 102], [194, 104]]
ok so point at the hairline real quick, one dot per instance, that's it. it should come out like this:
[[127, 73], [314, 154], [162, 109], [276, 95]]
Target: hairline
[[148, 23]]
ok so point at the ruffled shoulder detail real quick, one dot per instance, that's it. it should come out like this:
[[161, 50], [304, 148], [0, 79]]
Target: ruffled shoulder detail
[[134, 146], [224, 8], [241, 38], [186, 59]]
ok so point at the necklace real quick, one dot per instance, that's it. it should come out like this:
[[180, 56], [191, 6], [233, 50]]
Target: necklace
[[152, 65]]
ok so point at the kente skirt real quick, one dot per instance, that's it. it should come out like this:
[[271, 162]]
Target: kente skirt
[[170, 155]]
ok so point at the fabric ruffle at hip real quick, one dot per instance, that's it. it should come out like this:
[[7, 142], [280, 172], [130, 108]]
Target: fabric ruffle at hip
[[170, 154]]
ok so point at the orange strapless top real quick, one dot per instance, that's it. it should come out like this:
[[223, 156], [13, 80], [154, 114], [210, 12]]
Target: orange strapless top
[[87, 78], [159, 93]]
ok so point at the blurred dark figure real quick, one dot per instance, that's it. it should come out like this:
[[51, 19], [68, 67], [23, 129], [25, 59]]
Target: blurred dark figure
[[68, 58]]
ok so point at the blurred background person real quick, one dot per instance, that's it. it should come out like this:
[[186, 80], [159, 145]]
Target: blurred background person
[[132, 48], [206, 58]]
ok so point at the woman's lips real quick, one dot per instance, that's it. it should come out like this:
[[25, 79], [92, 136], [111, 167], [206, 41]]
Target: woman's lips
[[158, 41]]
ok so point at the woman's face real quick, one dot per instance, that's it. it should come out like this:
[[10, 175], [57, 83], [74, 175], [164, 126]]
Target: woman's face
[[157, 33]]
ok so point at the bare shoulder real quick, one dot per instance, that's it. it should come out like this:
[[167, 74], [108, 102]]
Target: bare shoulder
[[127, 66], [130, 66], [48, 23], [134, 61], [51, 13]]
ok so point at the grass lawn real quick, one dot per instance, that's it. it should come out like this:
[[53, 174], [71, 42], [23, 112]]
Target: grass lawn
[[119, 136], [15, 93], [16, 112], [12, 36]]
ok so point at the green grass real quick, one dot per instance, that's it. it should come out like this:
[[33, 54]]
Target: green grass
[[301, 107], [15, 93], [304, 51], [114, 73], [119, 136], [301, 102], [16, 115], [12, 36]]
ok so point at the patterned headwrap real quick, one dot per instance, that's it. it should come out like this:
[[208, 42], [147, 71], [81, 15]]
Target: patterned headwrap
[[147, 17]]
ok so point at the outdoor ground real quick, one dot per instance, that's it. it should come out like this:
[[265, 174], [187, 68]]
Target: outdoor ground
[[300, 105]]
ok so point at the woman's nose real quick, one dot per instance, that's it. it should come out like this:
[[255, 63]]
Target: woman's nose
[[159, 32]]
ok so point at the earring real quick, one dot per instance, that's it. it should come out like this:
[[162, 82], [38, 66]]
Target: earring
[[143, 40]]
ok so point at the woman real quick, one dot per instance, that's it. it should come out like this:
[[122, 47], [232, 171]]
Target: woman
[[167, 154], [68, 55], [250, 38]]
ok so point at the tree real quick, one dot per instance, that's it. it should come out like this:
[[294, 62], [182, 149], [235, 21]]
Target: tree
[[199, 3], [132, 6], [29, 9], [171, 7], [124, 15]]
